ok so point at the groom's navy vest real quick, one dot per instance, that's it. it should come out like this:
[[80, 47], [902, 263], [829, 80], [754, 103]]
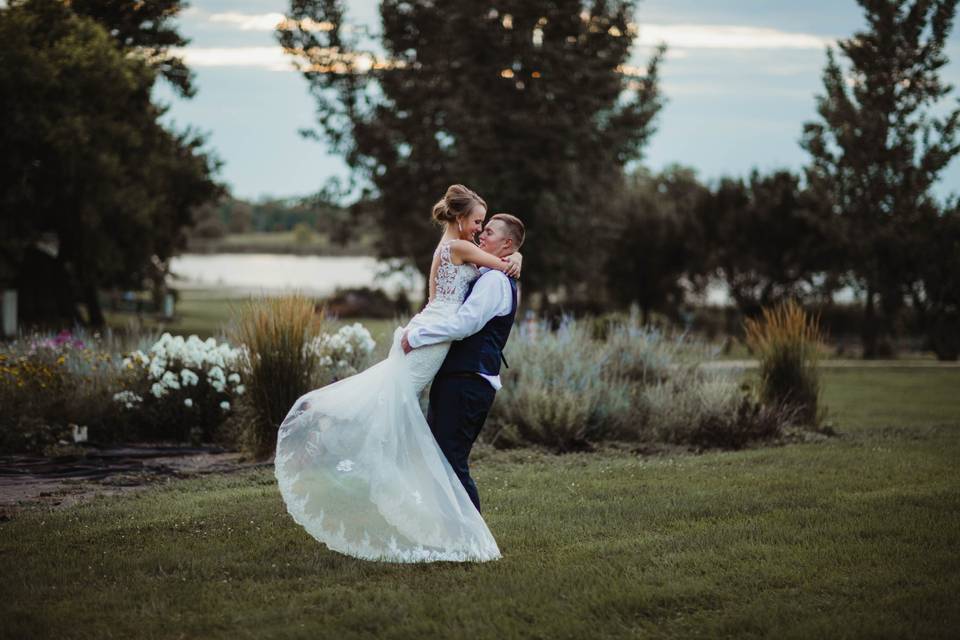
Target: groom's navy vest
[[481, 352]]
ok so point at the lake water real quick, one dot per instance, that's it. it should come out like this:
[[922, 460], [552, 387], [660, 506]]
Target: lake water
[[255, 273]]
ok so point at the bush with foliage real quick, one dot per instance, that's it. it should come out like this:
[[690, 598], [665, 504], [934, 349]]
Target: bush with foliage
[[709, 409], [567, 389], [180, 389], [787, 342], [49, 384]]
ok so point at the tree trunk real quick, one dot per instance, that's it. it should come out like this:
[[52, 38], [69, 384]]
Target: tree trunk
[[92, 301], [868, 332]]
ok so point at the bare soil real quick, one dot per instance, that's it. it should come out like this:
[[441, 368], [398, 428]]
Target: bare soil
[[36, 481]]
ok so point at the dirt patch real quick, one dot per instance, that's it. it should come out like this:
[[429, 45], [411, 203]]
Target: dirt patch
[[34, 481]]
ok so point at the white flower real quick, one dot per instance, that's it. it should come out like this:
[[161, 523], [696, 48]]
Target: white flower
[[170, 380], [225, 405], [188, 402], [157, 368], [216, 373], [234, 378], [189, 378], [345, 465], [158, 390], [239, 389], [129, 399], [219, 386]]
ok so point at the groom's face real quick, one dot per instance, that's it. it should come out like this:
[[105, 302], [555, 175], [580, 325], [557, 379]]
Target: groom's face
[[494, 239]]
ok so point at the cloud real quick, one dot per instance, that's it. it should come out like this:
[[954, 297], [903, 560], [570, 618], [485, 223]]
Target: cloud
[[272, 58], [265, 21], [703, 36], [682, 39], [275, 59], [248, 21]]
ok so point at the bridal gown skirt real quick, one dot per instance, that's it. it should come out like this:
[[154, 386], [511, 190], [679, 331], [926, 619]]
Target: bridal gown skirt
[[359, 469]]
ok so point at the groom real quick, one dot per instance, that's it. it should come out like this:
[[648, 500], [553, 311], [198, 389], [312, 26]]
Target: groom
[[463, 390]]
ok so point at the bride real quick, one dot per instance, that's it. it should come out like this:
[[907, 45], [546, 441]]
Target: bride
[[356, 463]]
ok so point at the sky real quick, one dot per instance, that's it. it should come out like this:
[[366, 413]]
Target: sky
[[740, 80]]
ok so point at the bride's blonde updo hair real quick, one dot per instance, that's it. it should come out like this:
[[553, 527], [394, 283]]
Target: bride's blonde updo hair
[[457, 202]]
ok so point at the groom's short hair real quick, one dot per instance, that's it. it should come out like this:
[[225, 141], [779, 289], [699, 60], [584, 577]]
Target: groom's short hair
[[513, 226]]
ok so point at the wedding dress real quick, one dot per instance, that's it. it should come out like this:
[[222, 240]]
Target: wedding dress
[[360, 470]]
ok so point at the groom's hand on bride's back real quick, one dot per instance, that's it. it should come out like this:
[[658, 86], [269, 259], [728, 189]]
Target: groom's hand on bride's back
[[405, 344]]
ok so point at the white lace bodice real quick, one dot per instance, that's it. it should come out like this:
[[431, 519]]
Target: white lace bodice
[[452, 283], [453, 280]]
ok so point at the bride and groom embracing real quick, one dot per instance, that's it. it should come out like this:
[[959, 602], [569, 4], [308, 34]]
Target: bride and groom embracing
[[358, 464]]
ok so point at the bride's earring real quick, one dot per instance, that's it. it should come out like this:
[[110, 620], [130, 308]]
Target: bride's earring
[[459, 226]]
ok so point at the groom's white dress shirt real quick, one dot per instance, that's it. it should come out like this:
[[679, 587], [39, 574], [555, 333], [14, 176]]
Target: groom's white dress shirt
[[491, 296]]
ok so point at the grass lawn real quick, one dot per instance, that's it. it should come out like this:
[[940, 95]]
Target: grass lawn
[[853, 537], [208, 313]]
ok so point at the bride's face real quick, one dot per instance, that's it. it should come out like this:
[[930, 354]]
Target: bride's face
[[472, 223]]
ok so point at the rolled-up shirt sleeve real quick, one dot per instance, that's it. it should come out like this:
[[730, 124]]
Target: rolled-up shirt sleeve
[[490, 297]]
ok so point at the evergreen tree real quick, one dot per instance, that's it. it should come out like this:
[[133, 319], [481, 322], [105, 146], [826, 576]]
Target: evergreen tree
[[880, 146]]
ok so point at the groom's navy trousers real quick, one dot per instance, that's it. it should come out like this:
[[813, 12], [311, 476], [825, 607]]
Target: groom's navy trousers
[[459, 404]]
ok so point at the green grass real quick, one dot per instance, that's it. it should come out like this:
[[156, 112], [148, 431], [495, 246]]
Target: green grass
[[852, 537], [207, 313]]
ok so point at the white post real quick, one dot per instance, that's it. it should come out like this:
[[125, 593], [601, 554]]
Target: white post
[[168, 305], [10, 313]]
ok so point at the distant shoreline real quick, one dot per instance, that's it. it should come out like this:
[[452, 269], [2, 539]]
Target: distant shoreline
[[282, 243]]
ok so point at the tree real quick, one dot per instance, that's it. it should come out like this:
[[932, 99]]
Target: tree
[[768, 239], [935, 291], [85, 159], [147, 27], [880, 146], [529, 103], [653, 244]]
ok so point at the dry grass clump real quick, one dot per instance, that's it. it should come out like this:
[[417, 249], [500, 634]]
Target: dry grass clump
[[278, 362], [787, 342]]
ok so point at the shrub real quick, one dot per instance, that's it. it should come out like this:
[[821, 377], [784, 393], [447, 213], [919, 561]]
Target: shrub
[[49, 384], [787, 343], [343, 353], [279, 363], [565, 389], [709, 409], [180, 389]]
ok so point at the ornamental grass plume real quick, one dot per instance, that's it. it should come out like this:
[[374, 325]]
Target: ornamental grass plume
[[278, 363], [787, 343]]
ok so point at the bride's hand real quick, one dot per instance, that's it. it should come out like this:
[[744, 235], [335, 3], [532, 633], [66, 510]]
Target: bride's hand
[[514, 261]]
